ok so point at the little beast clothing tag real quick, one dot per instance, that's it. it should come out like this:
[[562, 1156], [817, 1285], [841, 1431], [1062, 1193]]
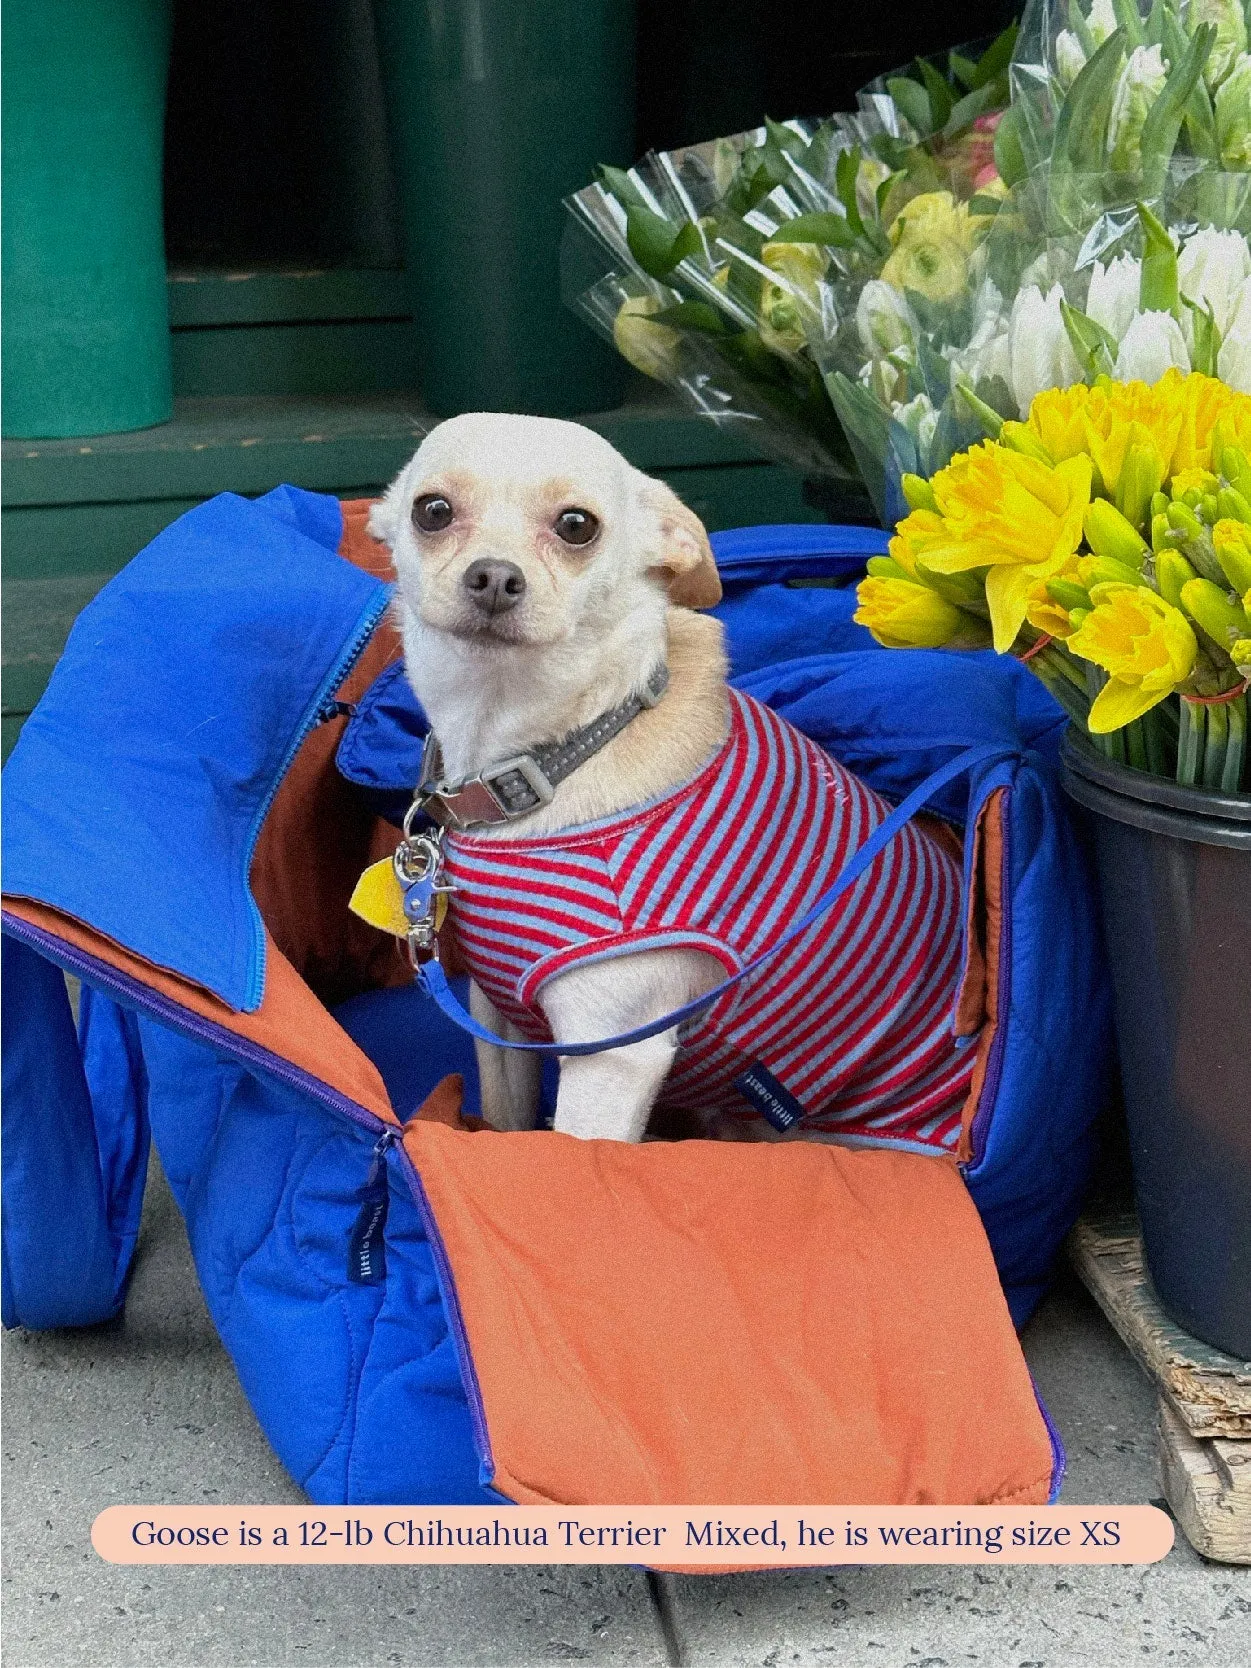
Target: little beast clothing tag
[[367, 1249], [773, 1100]]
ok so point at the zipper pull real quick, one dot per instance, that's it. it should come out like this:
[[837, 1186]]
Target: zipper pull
[[367, 1248], [335, 709]]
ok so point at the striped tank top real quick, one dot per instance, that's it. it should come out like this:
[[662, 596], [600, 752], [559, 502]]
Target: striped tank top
[[847, 1033]]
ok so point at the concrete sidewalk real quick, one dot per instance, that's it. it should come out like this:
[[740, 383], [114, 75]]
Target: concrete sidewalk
[[148, 1409]]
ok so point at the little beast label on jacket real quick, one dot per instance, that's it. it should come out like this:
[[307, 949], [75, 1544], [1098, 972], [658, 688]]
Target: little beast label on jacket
[[773, 1100], [367, 1250]]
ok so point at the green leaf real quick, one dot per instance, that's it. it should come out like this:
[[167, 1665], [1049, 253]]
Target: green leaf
[[1094, 346], [984, 205], [1163, 123], [1082, 125], [884, 189], [997, 56], [657, 245], [761, 182], [941, 100], [692, 315], [1009, 154], [961, 69], [786, 139], [1207, 337], [1129, 20], [1200, 119], [826, 228], [986, 415], [845, 172], [1174, 36], [967, 110], [913, 102], [1080, 27], [688, 242], [1157, 288], [1153, 28], [619, 184]]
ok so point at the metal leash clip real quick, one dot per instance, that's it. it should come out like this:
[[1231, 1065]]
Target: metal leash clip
[[418, 864]]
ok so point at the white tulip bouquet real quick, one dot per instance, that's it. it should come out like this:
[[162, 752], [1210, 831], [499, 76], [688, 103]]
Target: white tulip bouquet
[[887, 285], [1119, 246]]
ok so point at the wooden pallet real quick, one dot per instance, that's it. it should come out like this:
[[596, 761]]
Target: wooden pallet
[[1205, 1396], [1208, 1485], [1209, 1391]]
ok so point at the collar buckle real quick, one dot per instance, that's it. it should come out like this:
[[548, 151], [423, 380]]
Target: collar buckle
[[507, 790]]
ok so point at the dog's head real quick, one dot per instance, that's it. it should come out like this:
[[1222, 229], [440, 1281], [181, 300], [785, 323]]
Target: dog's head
[[530, 531]]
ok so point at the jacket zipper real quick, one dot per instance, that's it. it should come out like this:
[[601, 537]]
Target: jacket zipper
[[313, 715]]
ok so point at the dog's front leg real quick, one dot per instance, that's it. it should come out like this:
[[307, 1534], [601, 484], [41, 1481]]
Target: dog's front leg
[[508, 1081], [611, 1095]]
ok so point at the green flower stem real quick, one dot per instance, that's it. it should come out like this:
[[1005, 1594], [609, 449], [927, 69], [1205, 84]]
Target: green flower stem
[[1135, 746], [1235, 746], [1214, 745], [1112, 746], [1156, 740], [1190, 742], [1063, 681], [1168, 715]]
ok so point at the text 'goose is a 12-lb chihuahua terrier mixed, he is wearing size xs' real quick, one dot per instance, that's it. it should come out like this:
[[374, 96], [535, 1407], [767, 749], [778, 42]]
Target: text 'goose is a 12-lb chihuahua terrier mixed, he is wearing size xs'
[[652, 830]]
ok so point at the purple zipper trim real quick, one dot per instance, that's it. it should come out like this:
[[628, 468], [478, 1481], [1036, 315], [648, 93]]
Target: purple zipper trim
[[979, 1129], [456, 1320], [97, 972], [1059, 1459]]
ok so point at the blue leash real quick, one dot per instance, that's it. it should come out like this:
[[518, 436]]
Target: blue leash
[[433, 979]]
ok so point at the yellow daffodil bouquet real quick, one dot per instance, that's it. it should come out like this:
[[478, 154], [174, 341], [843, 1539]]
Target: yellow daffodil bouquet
[[1106, 540]]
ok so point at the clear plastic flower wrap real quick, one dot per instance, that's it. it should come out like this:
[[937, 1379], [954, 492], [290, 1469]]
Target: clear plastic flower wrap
[[725, 260], [1123, 90]]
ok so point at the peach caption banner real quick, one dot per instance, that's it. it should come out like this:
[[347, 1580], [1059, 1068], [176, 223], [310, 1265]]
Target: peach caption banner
[[754, 1536]]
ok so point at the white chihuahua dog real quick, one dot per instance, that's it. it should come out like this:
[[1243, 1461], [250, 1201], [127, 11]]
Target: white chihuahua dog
[[624, 831]]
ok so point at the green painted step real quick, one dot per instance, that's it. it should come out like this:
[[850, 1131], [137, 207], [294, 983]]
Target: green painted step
[[75, 511]]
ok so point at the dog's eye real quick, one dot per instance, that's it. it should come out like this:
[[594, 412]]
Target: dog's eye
[[576, 526], [433, 513]]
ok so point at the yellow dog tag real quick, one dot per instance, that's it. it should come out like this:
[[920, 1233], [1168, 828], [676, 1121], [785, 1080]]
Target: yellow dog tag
[[379, 899]]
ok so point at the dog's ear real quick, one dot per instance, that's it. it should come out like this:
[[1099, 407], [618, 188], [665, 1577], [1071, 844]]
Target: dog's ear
[[682, 554], [386, 516]]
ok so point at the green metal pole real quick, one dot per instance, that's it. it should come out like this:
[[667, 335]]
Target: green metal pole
[[86, 325], [498, 109]]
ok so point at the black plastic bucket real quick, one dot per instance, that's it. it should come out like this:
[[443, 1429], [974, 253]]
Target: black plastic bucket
[[1175, 875]]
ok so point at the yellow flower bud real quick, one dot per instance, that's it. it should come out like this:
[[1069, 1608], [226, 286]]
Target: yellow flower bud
[[1108, 533], [1142, 475], [1022, 439], [903, 615], [1105, 570], [1172, 571], [1232, 542], [1223, 620], [918, 493], [650, 347]]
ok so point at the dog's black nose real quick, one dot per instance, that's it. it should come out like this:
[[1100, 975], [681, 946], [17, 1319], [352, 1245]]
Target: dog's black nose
[[494, 586]]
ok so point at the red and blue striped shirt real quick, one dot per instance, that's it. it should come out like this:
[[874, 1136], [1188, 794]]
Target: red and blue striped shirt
[[854, 1019]]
